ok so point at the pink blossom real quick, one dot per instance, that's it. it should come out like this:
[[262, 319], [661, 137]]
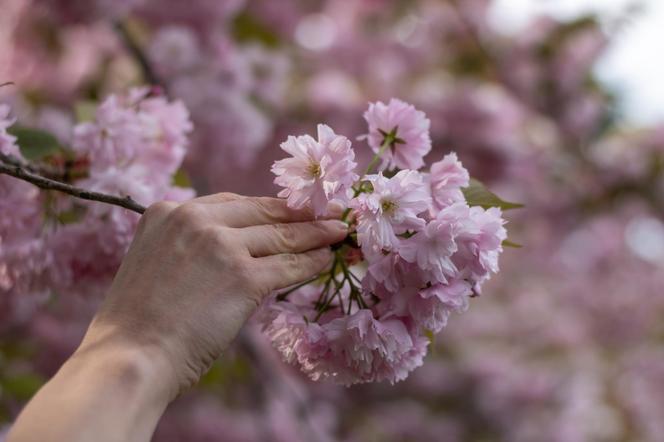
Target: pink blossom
[[21, 206], [392, 208], [86, 254], [480, 245], [386, 268], [432, 306], [364, 349], [269, 71], [7, 142], [446, 179], [345, 349], [411, 133], [135, 181], [318, 172], [298, 340], [432, 247], [169, 125], [230, 130], [113, 138], [132, 128], [25, 268], [174, 50]]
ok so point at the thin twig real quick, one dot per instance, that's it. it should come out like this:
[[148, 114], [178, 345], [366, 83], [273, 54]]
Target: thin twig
[[135, 50], [8, 166], [39, 169]]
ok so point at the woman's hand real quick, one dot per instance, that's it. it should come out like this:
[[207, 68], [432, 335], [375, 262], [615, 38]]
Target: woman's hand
[[196, 272], [193, 275]]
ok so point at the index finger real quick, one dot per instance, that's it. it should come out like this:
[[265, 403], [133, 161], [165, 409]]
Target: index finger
[[255, 211]]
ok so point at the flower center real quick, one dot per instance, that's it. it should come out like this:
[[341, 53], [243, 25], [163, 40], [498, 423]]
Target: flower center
[[314, 170], [388, 206]]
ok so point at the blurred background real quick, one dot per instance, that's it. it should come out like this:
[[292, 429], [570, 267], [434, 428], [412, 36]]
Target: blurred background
[[555, 104]]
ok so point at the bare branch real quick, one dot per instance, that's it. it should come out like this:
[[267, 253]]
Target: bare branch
[[39, 169], [14, 167], [135, 50]]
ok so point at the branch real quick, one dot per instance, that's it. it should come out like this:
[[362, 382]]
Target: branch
[[135, 50], [14, 167], [37, 169]]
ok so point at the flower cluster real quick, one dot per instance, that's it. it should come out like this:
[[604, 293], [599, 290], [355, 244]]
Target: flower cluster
[[424, 251], [133, 146]]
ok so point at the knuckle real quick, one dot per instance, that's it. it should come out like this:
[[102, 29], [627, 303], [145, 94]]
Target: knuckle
[[241, 269], [286, 234], [269, 206], [186, 214], [154, 213], [213, 237], [291, 261], [269, 203], [159, 209], [229, 196]]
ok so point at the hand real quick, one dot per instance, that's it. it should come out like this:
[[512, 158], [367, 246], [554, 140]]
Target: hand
[[196, 271]]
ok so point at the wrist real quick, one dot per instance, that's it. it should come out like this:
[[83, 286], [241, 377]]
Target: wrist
[[138, 367], [111, 388]]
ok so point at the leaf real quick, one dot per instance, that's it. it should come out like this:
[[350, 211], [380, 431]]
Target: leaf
[[508, 243], [181, 179], [246, 28], [35, 144], [478, 195]]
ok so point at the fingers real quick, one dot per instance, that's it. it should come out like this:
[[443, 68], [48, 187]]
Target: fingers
[[279, 271], [257, 211], [291, 238], [222, 197]]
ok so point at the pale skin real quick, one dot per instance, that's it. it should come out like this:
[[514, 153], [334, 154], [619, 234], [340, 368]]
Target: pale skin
[[194, 274]]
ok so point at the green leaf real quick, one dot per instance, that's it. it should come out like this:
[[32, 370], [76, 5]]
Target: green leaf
[[478, 195], [508, 243], [181, 179], [35, 144], [246, 28]]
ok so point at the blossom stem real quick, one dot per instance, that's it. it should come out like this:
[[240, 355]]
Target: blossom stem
[[327, 301], [135, 50], [283, 295], [12, 167], [387, 142]]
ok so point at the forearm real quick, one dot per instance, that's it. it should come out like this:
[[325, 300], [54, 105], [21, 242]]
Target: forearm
[[193, 275], [108, 390]]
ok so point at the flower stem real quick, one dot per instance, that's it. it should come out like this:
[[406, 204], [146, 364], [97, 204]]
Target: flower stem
[[283, 295], [387, 142]]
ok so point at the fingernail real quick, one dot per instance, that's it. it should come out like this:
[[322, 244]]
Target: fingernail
[[334, 209]]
